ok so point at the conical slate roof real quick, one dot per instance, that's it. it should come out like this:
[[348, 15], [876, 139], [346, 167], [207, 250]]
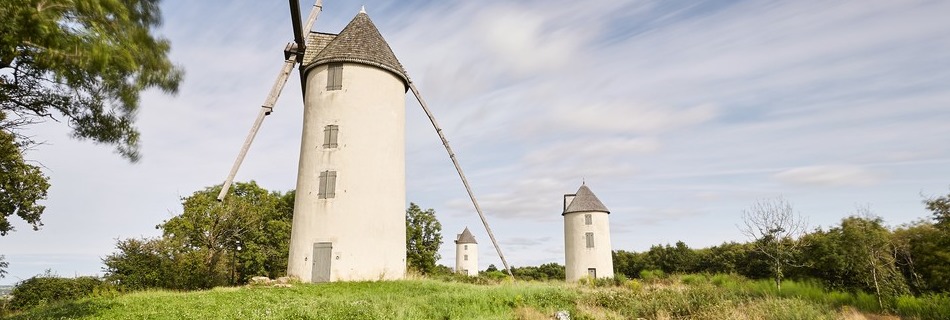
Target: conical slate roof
[[466, 237], [360, 42], [585, 201]]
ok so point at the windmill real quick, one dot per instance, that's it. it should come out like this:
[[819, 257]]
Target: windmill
[[349, 212]]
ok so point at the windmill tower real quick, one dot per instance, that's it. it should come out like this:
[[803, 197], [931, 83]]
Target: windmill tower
[[587, 250], [466, 253], [349, 213]]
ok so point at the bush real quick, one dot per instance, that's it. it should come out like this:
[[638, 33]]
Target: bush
[[633, 285], [652, 275], [48, 288], [693, 279], [934, 306]]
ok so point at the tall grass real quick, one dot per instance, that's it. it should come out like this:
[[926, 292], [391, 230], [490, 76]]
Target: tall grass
[[698, 296]]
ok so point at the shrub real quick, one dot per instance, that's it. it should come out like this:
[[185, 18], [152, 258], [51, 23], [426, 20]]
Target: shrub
[[48, 288], [934, 306], [633, 285], [652, 275], [693, 279]]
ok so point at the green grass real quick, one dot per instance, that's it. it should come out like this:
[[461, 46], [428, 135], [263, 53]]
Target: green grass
[[412, 299], [668, 297]]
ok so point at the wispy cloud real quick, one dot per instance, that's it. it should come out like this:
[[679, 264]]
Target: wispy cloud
[[829, 175]]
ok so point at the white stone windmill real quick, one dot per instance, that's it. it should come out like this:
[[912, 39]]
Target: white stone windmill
[[466, 253], [587, 249], [349, 215]]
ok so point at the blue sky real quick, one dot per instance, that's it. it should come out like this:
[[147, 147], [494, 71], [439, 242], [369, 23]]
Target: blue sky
[[677, 114]]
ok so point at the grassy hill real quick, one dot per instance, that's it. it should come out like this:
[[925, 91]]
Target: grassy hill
[[691, 296]]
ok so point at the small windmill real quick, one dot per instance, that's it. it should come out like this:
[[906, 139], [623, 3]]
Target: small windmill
[[349, 212]]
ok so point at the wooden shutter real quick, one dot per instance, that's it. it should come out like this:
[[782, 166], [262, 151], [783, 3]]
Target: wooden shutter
[[330, 133], [322, 192], [331, 184], [335, 76]]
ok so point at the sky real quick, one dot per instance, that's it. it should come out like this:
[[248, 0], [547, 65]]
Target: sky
[[678, 115]]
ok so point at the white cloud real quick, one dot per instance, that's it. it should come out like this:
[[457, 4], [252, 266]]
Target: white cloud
[[629, 118], [829, 175]]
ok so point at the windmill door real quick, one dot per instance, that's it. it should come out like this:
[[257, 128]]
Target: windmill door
[[321, 261], [592, 273]]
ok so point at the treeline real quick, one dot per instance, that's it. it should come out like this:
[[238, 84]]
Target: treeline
[[860, 253]]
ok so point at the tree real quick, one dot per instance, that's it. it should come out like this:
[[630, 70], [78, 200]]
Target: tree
[[870, 253], [940, 207], [775, 231], [82, 61], [423, 238], [211, 243], [22, 185], [3, 266], [924, 256], [85, 60]]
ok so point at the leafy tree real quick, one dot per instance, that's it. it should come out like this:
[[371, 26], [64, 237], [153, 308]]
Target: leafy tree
[[153, 263], [629, 263], [552, 271], [82, 61], [869, 253], [22, 185], [211, 243], [86, 61], [3, 267], [824, 259], [940, 207], [544, 272], [774, 229], [925, 257], [423, 238], [672, 259], [728, 257]]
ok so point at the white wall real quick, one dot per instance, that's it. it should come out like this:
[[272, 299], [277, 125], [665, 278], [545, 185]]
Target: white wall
[[366, 220], [470, 266], [577, 257]]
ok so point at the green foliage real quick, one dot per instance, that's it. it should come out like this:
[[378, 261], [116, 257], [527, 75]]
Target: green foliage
[[935, 306], [544, 272], [86, 61], [22, 185], [210, 243], [652, 275], [925, 256], [48, 288], [423, 238], [735, 298], [418, 299], [940, 207], [3, 266]]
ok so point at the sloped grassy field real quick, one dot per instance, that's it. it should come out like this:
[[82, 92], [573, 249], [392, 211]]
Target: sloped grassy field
[[696, 297]]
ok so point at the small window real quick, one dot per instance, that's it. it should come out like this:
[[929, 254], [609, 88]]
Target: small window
[[590, 239], [588, 220], [466, 247], [330, 133], [592, 273], [466, 257], [327, 185], [334, 76]]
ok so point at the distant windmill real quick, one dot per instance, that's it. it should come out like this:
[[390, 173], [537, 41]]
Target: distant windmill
[[349, 214]]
